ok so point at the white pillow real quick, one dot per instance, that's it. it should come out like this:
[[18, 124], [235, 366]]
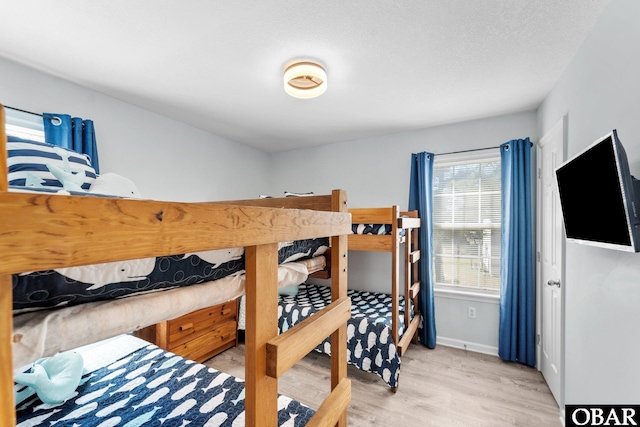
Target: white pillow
[[112, 184]]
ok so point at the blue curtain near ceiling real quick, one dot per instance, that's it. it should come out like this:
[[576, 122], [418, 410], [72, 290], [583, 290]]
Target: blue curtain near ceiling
[[517, 287], [73, 133], [421, 199]]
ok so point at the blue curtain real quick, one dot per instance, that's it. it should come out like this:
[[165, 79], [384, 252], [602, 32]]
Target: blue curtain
[[517, 292], [421, 199], [72, 133]]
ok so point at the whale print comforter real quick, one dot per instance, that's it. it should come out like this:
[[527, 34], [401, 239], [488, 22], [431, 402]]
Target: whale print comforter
[[370, 346], [377, 229], [151, 387], [77, 285]]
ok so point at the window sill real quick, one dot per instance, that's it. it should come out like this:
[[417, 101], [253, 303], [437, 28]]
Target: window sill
[[468, 295]]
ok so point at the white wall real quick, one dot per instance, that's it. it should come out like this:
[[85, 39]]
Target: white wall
[[375, 172], [167, 160], [600, 91]]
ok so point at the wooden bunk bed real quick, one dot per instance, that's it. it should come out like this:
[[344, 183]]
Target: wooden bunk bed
[[382, 324], [402, 227], [45, 231]]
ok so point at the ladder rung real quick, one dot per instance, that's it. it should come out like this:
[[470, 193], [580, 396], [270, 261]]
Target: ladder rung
[[414, 289], [408, 223], [288, 348], [408, 335], [414, 256], [333, 406]]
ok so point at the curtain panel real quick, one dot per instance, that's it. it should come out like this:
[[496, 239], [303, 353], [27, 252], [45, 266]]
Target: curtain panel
[[517, 288], [421, 199], [72, 133]]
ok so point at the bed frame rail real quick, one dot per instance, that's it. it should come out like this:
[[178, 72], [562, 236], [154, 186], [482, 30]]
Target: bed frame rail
[[381, 243], [65, 231]]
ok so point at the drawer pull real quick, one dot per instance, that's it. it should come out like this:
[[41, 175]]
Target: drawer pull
[[186, 326]]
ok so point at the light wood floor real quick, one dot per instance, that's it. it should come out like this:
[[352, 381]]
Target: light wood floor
[[440, 387]]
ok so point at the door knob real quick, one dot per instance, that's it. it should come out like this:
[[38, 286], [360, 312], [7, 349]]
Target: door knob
[[552, 282]]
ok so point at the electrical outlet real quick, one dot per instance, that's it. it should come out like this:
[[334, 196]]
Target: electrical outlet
[[471, 312]]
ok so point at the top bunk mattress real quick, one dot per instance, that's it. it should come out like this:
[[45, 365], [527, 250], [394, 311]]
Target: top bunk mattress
[[70, 286]]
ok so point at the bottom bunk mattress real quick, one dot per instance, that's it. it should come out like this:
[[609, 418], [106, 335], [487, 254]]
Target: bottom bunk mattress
[[130, 382], [370, 346]]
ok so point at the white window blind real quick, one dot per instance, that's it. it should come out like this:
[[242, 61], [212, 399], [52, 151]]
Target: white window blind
[[466, 224], [24, 125]]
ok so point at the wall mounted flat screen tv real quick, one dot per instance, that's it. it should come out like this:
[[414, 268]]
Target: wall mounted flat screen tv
[[600, 199]]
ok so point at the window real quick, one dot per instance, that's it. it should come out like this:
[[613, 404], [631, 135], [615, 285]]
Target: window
[[466, 223], [24, 125]]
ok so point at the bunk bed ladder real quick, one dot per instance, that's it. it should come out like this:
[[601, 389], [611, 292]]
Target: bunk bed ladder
[[410, 222], [270, 355]]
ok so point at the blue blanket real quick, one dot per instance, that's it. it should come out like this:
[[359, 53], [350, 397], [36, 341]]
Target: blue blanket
[[152, 387]]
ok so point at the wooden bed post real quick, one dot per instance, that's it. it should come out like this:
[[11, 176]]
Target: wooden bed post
[[339, 247], [7, 406], [395, 274], [261, 391]]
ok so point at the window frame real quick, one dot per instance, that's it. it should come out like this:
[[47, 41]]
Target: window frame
[[460, 159]]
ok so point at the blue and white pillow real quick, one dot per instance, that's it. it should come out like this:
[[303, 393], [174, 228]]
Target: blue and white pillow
[[31, 163]]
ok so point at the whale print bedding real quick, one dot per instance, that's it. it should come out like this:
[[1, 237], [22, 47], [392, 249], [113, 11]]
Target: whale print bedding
[[77, 285], [370, 346], [139, 384], [377, 229]]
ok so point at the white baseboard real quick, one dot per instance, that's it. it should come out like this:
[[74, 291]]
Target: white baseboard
[[471, 346]]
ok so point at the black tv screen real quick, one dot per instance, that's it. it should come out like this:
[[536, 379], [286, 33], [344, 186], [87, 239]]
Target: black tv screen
[[597, 196]]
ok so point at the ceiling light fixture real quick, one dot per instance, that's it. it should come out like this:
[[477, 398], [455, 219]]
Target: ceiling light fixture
[[305, 80]]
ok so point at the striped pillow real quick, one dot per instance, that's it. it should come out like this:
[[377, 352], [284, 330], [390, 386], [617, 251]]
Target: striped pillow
[[28, 163]]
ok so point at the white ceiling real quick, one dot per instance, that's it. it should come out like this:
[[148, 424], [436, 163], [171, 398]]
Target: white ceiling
[[392, 65]]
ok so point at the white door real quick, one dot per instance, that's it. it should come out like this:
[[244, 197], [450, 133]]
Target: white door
[[550, 256]]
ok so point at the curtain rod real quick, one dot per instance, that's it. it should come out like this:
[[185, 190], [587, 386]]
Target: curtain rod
[[467, 151], [471, 150], [31, 112]]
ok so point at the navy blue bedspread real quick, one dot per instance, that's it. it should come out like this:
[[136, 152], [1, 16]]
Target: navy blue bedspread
[[152, 387], [370, 345]]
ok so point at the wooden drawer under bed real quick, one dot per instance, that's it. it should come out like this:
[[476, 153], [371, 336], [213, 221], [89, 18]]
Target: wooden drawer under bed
[[199, 335]]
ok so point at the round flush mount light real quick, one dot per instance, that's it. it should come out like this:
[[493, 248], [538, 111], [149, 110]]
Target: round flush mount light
[[305, 80]]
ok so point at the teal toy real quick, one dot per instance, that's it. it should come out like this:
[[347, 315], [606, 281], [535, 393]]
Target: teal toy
[[54, 378], [71, 180]]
